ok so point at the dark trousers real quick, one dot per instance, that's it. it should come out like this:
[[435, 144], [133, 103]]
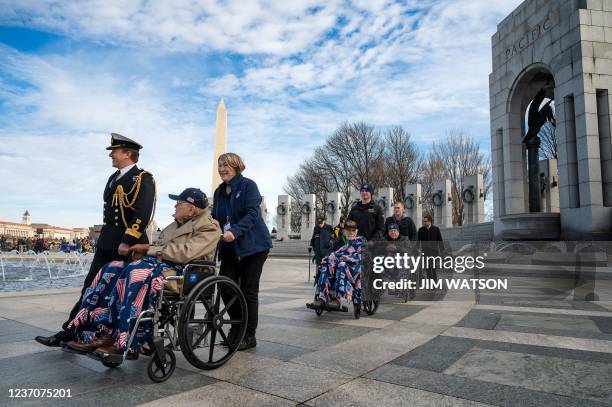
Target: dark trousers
[[246, 273], [101, 257], [431, 273]]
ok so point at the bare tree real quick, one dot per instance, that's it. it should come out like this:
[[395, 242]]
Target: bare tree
[[431, 171], [361, 151], [548, 142], [402, 161], [357, 152], [460, 156]]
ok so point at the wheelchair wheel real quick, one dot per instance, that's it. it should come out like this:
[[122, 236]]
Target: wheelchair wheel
[[158, 371], [205, 322], [370, 307], [357, 310]]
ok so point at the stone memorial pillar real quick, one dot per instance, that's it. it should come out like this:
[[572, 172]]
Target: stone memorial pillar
[[308, 210], [355, 197], [263, 208], [283, 217], [413, 207], [549, 186], [385, 200], [442, 204], [473, 199], [332, 209]]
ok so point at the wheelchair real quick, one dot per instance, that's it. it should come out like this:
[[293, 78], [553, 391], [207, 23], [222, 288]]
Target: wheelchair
[[370, 299], [192, 322]]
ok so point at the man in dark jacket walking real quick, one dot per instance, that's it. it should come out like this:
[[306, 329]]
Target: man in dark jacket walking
[[430, 241], [368, 214], [322, 239], [406, 225]]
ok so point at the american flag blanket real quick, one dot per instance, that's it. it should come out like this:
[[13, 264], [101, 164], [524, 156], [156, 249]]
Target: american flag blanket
[[340, 273], [117, 295]]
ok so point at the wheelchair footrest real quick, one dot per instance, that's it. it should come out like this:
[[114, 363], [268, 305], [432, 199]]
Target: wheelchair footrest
[[70, 350], [107, 358]]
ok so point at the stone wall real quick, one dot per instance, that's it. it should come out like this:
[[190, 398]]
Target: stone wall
[[479, 232]]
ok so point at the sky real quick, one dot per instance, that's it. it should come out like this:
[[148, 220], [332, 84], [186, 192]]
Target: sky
[[290, 73]]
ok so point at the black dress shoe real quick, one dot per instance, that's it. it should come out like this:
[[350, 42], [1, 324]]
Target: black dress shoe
[[248, 342], [54, 340]]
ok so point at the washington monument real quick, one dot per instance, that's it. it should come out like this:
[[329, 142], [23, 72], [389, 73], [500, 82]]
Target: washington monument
[[220, 142]]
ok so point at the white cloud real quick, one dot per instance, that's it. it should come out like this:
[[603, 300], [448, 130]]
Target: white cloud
[[239, 26], [423, 65]]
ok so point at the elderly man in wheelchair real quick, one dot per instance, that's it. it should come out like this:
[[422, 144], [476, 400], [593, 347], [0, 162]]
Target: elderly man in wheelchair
[[127, 310]]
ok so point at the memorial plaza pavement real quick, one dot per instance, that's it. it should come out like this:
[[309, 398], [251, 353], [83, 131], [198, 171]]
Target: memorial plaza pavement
[[532, 345]]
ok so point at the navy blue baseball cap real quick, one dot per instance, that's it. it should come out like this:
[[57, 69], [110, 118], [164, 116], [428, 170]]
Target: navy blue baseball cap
[[393, 226], [367, 187], [193, 196]]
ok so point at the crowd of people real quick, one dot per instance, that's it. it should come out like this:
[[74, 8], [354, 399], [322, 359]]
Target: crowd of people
[[338, 250], [40, 244], [128, 272]]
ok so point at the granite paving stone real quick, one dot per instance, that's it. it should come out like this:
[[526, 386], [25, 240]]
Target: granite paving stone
[[475, 390], [480, 319], [604, 324], [309, 338], [568, 377], [125, 393], [396, 312], [292, 381], [366, 392], [13, 331], [266, 299], [243, 363], [220, 395], [437, 354], [278, 350], [374, 349], [547, 322], [590, 345], [14, 349]]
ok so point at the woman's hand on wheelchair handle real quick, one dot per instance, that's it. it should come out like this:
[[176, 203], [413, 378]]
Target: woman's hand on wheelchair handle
[[228, 236]]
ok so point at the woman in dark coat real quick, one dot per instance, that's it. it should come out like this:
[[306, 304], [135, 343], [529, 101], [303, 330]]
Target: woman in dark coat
[[245, 242]]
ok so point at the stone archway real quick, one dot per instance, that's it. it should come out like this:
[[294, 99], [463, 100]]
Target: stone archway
[[527, 84], [555, 45]]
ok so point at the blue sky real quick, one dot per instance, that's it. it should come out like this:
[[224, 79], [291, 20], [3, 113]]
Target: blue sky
[[290, 72]]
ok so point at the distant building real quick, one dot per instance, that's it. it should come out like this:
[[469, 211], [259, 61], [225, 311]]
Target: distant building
[[18, 230], [26, 218], [47, 231], [80, 233], [94, 232], [26, 229]]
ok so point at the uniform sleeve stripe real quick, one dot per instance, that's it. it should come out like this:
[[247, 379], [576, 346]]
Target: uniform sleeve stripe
[[133, 233]]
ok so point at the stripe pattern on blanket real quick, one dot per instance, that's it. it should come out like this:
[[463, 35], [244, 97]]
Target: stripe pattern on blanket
[[117, 295]]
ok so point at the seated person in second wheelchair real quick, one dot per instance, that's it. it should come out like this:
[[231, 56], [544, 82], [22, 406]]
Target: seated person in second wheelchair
[[340, 272], [121, 290]]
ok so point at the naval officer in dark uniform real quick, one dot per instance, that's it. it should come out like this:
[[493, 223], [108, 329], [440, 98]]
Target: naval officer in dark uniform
[[129, 203]]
